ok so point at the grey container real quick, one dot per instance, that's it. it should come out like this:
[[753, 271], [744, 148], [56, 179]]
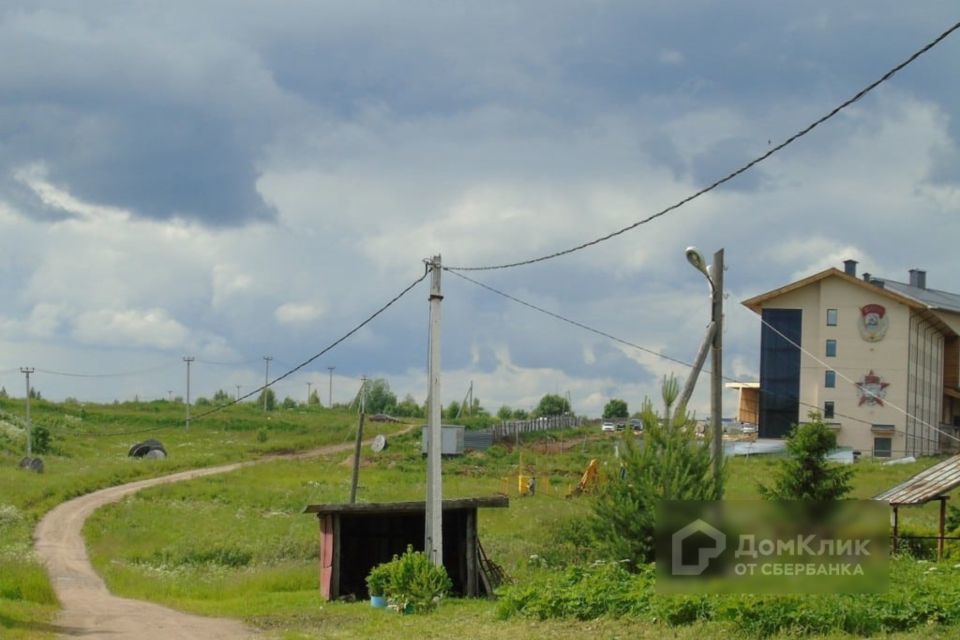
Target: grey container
[[451, 440]]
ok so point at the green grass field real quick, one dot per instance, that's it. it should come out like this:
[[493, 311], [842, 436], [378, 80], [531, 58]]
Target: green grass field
[[85, 456], [238, 545]]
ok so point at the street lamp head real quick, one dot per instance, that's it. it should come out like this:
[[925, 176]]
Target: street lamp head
[[695, 258]]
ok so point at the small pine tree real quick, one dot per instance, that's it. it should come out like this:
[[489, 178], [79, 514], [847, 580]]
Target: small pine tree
[[672, 464], [3, 393], [806, 474]]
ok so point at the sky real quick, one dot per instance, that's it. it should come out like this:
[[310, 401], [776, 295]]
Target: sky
[[233, 180]]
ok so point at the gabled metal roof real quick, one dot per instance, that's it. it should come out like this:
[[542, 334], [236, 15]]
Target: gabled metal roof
[[925, 486], [932, 298]]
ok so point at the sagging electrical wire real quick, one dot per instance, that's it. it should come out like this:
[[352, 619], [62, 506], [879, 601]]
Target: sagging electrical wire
[[730, 176], [288, 373], [642, 348]]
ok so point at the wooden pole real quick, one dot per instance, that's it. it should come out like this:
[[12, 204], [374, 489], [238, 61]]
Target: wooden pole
[[896, 523], [943, 520], [355, 480]]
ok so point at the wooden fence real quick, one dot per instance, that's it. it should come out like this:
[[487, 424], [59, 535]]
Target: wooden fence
[[512, 429]]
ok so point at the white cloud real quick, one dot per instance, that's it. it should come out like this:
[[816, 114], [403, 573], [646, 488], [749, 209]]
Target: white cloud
[[374, 163], [130, 328], [297, 313]]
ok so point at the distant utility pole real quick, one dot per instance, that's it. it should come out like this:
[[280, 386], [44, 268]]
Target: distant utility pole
[[27, 371], [356, 448], [238, 392], [266, 379], [170, 395], [309, 384], [188, 360], [330, 396], [433, 538]]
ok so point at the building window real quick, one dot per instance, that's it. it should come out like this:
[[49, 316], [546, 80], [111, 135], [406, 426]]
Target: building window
[[828, 410], [831, 317], [882, 447], [831, 348], [830, 379]]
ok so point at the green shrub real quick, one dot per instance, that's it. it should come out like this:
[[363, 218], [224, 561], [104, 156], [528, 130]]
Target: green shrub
[[378, 579], [921, 595], [413, 583], [262, 435], [41, 440], [583, 593]]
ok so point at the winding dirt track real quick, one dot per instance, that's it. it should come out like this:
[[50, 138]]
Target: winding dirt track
[[89, 609]]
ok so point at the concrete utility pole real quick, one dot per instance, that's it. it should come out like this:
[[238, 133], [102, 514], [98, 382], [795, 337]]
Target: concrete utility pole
[[714, 275], [330, 397], [716, 373], [188, 360], [238, 392], [433, 542], [309, 384], [266, 379], [27, 371], [356, 448]]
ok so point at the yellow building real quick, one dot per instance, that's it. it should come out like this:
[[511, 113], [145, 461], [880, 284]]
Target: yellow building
[[879, 359]]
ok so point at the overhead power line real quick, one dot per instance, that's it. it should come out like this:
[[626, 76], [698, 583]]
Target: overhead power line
[[121, 374], [303, 364], [633, 345], [225, 364], [568, 320], [846, 103], [334, 344]]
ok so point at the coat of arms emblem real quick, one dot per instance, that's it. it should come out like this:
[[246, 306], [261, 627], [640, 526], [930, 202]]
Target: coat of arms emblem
[[873, 322]]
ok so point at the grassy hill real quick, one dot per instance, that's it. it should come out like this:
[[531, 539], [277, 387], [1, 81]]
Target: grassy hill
[[238, 544]]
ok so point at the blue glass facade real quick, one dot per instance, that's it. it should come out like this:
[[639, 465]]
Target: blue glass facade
[[780, 371]]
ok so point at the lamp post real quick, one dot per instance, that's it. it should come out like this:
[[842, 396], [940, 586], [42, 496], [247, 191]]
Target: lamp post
[[714, 275]]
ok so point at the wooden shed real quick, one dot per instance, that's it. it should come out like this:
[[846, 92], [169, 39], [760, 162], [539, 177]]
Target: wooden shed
[[354, 538]]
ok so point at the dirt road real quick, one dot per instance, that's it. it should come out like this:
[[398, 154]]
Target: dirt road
[[89, 610]]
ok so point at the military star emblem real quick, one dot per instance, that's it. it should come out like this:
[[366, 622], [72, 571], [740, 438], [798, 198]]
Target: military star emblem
[[872, 389]]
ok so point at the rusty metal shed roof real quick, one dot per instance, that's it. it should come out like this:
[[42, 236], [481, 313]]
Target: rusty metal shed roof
[[925, 486], [406, 507]]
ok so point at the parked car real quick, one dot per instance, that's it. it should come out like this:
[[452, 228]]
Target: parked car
[[608, 426], [636, 424]]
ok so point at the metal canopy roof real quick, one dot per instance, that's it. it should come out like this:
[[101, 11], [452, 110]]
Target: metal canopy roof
[[925, 486], [406, 507]]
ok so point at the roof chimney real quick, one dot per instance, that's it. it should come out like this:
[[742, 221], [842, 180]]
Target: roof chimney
[[850, 267], [918, 278]]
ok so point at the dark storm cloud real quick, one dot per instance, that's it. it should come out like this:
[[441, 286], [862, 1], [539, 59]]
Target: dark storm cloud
[[129, 118]]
